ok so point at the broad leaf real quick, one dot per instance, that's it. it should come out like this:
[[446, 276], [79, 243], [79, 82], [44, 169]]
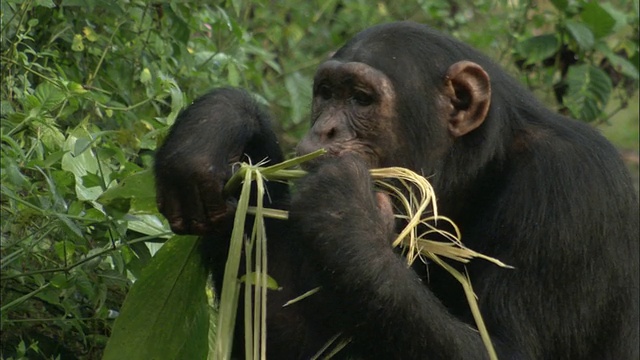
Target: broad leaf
[[588, 91], [138, 185], [148, 224], [598, 19], [581, 34], [165, 315], [298, 88], [538, 48], [49, 96], [80, 160]]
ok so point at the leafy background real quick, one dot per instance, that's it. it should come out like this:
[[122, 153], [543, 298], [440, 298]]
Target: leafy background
[[90, 88]]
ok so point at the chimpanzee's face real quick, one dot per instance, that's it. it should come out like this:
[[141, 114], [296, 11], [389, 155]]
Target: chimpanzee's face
[[353, 111]]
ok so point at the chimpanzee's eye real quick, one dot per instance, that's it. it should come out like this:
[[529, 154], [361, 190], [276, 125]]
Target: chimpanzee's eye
[[362, 98], [324, 91]]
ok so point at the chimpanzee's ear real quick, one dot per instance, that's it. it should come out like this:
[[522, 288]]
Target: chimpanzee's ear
[[468, 88]]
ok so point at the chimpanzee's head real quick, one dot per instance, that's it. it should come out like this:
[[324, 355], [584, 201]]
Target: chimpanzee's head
[[396, 95]]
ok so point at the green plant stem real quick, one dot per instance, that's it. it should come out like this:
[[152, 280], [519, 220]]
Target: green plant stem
[[104, 53], [230, 283], [24, 298], [278, 171], [28, 69], [88, 258], [40, 320], [270, 213], [126, 108], [42, 211]]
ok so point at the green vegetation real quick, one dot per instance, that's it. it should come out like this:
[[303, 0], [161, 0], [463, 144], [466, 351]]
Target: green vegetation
[[90, 88]]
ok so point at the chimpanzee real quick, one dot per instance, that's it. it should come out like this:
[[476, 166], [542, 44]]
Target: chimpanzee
[[545, 194]]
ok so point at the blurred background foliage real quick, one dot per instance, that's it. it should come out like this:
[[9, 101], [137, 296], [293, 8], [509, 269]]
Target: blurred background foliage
[[90, 87]]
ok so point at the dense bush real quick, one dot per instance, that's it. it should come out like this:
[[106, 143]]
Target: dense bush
[[89, 89]]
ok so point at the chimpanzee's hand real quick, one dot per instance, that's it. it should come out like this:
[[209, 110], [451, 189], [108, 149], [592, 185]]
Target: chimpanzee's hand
[[336, 209], [189, 189], [196, 159]]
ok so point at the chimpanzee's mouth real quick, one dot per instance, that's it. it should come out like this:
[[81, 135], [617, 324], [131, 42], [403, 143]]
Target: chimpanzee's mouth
[[368, 158]]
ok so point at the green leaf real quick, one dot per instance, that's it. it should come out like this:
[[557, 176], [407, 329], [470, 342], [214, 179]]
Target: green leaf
[[52, 137], [620, 64], [538, 48], [11, 173], [298, 88], [619, 16], [59, 281], [588, 91], [84, 285], [233, 76], [179, 28], [64, 249], [72, 228], [165, 315], [31, 102], [80, 161], [91, 180], [598, 19], [581, 34], [46, 3], [118, 208], [635, 60], [6, 108], [49, 96], [76, 88], [148, 224], [137, 185], [561, 5], [177, 102]]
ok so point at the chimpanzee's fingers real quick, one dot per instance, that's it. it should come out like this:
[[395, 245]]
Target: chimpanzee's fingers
[[169, 204], [181, 205], [385, 208], [216, 210], [340, 181]]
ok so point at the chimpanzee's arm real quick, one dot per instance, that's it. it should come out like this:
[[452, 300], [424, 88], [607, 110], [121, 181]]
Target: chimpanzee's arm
[[194, 163], [389, 312]]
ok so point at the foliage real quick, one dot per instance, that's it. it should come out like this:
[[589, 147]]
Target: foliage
[[173, 323], [590, 52], [89, 89]]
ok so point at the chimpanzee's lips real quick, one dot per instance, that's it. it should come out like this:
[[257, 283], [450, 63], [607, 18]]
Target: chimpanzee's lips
[[338, 152]]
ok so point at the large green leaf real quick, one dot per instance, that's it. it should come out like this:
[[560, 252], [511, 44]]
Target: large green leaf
[[165, 315], [49, 96], [588, 91], [602, 19]]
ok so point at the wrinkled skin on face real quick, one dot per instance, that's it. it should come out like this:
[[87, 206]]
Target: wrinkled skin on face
[[353, 112]]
